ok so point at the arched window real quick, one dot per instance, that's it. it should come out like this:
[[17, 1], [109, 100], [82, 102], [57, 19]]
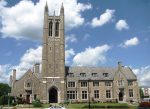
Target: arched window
[[50, 28], [57, 29]]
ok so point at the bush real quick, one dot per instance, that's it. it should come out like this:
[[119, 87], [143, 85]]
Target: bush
[[37, 103], [20, 100], [14, 104], [66, 102]]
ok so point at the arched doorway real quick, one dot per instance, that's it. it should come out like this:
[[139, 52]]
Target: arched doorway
[[53, 95], [120, 96]]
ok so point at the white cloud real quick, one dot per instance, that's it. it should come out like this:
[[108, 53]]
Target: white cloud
[[68, 54], [143, 75], [4, 76], [122, 24], [2, 4], [30, 57], [91, 56], [131, 42], [70, 38], [27, 61], [103, 19], [25, 19]]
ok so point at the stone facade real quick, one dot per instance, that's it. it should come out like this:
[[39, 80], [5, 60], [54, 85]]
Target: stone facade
[[146, 91], [57, 82]]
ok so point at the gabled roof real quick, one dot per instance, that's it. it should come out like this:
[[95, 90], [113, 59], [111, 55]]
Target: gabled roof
[[99, 70], [30, 72]]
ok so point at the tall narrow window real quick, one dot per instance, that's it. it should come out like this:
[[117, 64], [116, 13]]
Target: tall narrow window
[[50, 28], [57, 29], [130, 92], [108, 94]]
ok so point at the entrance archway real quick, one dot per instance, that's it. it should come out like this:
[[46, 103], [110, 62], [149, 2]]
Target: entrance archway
[[53, 95], [120, 96], [28, 99]]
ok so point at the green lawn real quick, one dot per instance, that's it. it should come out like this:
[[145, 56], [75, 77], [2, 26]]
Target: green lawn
[[100, 106]]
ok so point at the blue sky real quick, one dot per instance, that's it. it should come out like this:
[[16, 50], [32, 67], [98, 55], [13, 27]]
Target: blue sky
[[98, 33]]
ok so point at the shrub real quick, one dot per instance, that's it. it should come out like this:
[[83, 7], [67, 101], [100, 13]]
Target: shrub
[[37, 103], [66, 102], [14, 104], [20, 100]]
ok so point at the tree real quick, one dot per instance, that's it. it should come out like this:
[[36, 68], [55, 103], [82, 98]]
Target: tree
[[4, 89], [141, 93]]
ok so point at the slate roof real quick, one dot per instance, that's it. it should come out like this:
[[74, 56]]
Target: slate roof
[[99, 70]]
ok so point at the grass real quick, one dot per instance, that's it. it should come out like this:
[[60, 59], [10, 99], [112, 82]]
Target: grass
[[101, 106]]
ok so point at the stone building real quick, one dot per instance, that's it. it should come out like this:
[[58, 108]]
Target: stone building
[[57, 82], [146, 91]]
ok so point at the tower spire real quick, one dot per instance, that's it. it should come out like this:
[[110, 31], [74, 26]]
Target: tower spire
[[46, 7], [62, 9], [54, 12]]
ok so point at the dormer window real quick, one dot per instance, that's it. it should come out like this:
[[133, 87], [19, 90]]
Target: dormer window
[[105, 74], [70, 74], [82, 74], [94, 75]]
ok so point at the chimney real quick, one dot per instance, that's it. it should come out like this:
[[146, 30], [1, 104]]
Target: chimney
[[37, 68], [119, 65], [14, 75], [11, 80]]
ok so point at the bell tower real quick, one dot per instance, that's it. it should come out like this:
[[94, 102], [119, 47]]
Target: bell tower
[[53, 53], [53, 56]]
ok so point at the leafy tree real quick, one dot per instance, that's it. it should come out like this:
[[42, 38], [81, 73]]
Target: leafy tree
[[4, 89], [4, 99], [141, 93]]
